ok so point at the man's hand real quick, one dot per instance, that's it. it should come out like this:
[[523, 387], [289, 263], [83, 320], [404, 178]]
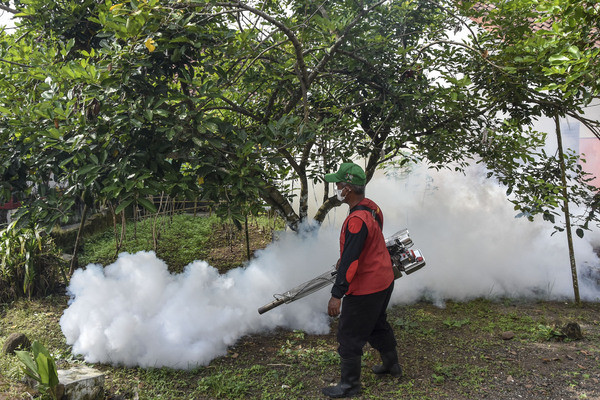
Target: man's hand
[[333, 308]]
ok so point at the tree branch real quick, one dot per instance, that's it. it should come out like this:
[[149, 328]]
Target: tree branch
[[466, 46], [259, 55], [16, 63], [241, 110], [325, 208], [333, 49], [450, 120], [276, 200], [8, 9], [301, 65], [288, 156], [592, 125]]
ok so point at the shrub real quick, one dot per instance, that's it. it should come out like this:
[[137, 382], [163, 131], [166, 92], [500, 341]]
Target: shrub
[[31, 264]]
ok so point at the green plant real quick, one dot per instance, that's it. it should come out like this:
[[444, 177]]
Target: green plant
[[30, 262], [228, 383], [452, 323], [427, 331], [444, 370], [41, 368], [183, 240], [545, 332], [298, 334], [405, 324]]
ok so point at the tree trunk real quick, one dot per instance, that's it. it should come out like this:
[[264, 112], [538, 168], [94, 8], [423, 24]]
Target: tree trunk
[[247, 237], [79, 233], [325, 208], [280, 205], [155, 233], [563, 176], [123, 227], [117, 241], [135, 221]]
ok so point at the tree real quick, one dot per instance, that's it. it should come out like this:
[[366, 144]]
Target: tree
[[551, 72], [79, 111], [233, 100]]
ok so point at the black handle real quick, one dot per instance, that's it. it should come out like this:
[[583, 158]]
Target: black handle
[[270, 306]]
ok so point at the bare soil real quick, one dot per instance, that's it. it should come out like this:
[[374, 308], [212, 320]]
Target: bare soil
[[449, 353], [228, 247], [502, 350]]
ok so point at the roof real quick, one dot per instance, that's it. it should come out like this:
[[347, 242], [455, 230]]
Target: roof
[[535, 24]]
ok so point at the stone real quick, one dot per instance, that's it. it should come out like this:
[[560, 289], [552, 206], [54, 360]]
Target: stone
[[81, 383], [14, 342], [507, 335], [572, 330]]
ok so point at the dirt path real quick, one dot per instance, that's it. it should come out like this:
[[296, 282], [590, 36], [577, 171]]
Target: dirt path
[[474, 350]]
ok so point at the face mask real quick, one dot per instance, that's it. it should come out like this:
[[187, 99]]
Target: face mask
[[338, 193]]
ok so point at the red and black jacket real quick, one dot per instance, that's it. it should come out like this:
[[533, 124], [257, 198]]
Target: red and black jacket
[[365, 265]]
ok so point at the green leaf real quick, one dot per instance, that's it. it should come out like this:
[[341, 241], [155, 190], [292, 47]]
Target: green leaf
[[123, 205], [148, 114], [557, 59], [147, 204], [43, 368], [87, 168], [129, 184], [30, 365], [579, 232], [161, 112], [112, 188], [574, 50]]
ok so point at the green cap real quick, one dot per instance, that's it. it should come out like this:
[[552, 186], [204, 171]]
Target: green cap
[[349, 173]]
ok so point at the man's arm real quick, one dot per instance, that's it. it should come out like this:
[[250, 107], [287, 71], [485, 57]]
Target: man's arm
[[356, 234]]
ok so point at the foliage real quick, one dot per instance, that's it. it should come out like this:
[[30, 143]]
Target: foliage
[[31, 264], [67, 138], [451, 323], [41, 368], [545, 332], [556, 59], [182, 240], [228, 100], [231, 101], [540, 72]]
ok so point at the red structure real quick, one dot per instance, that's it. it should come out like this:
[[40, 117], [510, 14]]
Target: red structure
[[590, 148], [11, 205]]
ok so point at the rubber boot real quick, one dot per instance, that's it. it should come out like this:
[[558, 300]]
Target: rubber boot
[[390, 364], [349, 385]]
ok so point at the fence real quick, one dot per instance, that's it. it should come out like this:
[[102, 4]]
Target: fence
[[166, 205]]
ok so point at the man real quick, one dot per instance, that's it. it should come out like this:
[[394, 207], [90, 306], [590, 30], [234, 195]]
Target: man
[[365, 280]]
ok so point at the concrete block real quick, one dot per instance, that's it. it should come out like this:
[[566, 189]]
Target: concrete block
[[81, 383]]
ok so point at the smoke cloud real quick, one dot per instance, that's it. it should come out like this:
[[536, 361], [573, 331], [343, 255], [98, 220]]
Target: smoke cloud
[[135, 313], [475, 247]]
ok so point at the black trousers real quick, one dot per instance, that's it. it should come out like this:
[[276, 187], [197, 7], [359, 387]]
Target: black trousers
[[364, 319]]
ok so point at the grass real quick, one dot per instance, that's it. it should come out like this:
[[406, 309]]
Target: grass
[[181, 239], [451, 353], [457, 362]]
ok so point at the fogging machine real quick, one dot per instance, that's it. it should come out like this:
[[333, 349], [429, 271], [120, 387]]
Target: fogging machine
[[404, 260]]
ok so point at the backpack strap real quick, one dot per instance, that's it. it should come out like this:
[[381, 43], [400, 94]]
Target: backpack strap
[[373, 213]]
